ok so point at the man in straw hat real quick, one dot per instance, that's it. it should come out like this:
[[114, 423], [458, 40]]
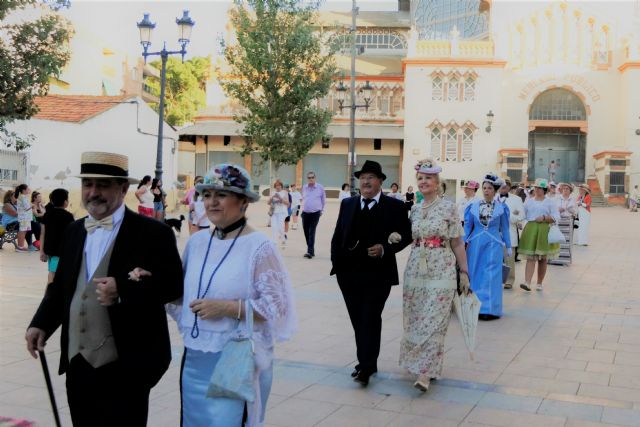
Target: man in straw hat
[[114, 338], [363, 258]]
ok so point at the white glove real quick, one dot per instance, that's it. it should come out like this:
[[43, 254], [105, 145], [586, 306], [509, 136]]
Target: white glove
[[464, 283], [394, 238], [509, 252]]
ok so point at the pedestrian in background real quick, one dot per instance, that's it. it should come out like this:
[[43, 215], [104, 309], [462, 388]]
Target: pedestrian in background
[[279, 200], [54, 223], [145, 197], [25, 217], [345, 192], [516, 216], [159, 199], [409, 198], [296, 200], [395, 192], [470, 189], [584, 215], [313, 199]]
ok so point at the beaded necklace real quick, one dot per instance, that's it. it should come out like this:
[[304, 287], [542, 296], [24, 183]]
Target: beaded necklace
[[195, 330]]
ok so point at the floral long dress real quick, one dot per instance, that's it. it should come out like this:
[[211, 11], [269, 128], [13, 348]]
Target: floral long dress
[[429, 287]]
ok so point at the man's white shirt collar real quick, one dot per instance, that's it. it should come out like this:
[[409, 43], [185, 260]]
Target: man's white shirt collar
[[371, 204]]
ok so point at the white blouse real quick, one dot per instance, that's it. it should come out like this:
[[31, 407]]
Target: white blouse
[[254, 270], [534, 209]]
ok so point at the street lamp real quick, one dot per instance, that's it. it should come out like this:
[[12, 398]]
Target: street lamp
[[185, 25], [342, 92], [489, 121]]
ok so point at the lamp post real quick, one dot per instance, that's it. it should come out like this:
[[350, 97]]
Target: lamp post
[[185, 25], [342, 91]]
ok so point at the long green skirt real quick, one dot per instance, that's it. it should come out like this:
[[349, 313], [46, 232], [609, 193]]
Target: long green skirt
[[534, 243]]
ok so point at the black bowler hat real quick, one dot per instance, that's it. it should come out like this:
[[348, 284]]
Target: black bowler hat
[[371, 167]]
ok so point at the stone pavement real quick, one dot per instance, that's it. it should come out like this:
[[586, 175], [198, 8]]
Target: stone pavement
[[567, 356]]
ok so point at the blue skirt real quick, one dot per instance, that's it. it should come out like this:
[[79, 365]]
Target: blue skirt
[[198, 410]]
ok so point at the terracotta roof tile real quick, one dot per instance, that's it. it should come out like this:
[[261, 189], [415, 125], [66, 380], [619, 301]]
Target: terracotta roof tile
[[74, 108]]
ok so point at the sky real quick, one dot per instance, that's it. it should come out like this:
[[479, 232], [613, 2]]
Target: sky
[[114, 21]]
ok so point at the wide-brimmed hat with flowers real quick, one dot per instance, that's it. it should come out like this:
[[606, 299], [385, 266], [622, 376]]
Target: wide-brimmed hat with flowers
[[541, 183], [427, 166], [98, 164], [228, 177], [585, 187]]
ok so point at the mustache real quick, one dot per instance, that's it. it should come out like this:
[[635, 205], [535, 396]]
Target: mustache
[[96, 200]]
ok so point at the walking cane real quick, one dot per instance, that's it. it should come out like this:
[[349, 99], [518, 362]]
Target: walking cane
[[52, 397]]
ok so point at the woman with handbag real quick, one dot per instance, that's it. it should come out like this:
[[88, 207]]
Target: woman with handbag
[[540, 214], [486, 231], [429, 283], [236, 290]]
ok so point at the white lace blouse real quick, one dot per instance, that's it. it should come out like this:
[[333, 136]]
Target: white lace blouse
[[253, 269]]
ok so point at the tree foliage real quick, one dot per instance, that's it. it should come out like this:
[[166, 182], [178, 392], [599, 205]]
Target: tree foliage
[[277, 70], [31, 52], [185, 91]]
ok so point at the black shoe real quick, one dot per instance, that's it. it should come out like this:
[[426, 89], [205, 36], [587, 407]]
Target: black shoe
[[355, 373], [487, 317], [525, 287], [362, 378], [307, 255]]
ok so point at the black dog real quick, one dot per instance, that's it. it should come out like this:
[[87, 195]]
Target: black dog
[[175, 223]]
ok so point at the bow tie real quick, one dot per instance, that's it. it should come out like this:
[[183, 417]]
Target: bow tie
[[91, 224]]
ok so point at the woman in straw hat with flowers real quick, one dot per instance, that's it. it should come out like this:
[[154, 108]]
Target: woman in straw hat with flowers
[[584, 216], [540, 213], [430, 277], [227, 271]]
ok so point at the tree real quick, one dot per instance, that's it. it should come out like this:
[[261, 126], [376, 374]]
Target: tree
[[277, 70], [31, 52], [185, 91]]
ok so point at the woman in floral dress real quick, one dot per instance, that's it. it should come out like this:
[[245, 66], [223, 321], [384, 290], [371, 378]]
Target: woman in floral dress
[[430, 278]]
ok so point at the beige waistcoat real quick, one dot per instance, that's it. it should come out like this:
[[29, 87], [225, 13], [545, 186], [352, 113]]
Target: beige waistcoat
[[89, 325]]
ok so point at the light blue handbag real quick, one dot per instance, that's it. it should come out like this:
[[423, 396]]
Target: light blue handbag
[[233, 375]]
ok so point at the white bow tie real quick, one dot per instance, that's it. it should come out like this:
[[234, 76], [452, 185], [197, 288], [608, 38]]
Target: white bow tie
[[91, 224]]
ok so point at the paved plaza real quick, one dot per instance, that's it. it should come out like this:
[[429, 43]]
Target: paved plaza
[[568, 356]]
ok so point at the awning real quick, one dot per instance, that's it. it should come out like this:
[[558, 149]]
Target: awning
[[337, 130]]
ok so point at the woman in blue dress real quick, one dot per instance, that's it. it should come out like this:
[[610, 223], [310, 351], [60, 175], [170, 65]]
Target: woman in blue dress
[[486, 229]]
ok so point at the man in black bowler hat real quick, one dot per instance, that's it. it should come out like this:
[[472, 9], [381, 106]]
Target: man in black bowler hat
[[370, 229]]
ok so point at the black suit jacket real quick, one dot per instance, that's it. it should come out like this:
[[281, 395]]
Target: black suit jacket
[[138, 320], [391, 217]]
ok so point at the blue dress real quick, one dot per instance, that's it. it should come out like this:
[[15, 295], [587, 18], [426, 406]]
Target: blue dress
[[485, 253]]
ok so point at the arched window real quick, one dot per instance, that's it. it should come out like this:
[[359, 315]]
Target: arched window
[[436, 18], [452, 89], [557, 104], [451, 148], [437, 88], [469, 88], [436, 144], [467, 145]]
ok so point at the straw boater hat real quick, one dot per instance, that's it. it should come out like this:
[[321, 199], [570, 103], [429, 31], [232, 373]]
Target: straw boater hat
[[541, 183], [553, 184], [228, 177], [585, 187], [97, 164], [566, 184]]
